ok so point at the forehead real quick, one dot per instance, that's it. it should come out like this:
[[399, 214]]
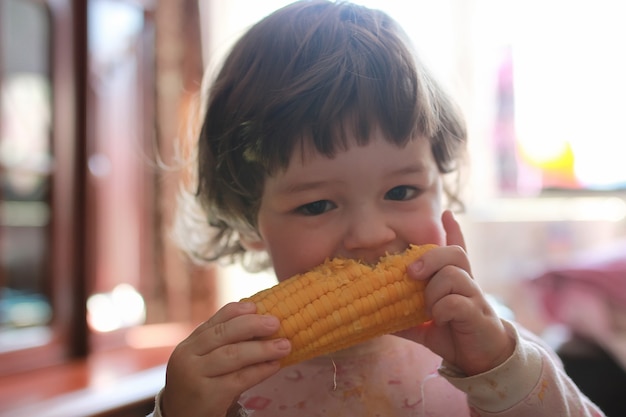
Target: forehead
[[414, 155], [305, 148]]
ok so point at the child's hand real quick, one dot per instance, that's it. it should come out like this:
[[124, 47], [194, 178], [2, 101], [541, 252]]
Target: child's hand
[[465, 331], [219, 360]]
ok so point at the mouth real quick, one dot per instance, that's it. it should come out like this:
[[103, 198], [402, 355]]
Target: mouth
[[373, 260]]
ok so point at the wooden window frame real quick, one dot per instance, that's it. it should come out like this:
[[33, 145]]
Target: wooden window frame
[[67, 262], [63, 371]]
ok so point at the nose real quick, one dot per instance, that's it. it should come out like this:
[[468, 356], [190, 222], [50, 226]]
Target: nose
[[368, 233]]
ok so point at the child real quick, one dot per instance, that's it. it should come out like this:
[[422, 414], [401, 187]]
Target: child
[[323, 136]]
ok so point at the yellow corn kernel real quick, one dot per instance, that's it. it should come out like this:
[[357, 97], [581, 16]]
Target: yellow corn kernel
[[343, 302]]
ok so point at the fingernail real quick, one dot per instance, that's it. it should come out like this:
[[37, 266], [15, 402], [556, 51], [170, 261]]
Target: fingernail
[[248, 306], [270, 321], [416, 267], [281, 344]]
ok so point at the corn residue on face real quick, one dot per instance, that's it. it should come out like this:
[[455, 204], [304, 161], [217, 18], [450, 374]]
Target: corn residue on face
[[343, 302]]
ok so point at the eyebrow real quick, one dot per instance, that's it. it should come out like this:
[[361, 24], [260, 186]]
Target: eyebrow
[[304, 186], [417, 167]]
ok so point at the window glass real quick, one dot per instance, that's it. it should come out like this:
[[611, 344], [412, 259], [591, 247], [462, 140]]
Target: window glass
[[25, 173], [569, 86]]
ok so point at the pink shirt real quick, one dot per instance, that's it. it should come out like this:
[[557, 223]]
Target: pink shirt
[[391, 376]]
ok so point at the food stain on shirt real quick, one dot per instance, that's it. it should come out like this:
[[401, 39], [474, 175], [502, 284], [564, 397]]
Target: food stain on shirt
[[502, 394], [257, 403], [542, 391], [411, 403], [353, 392], [294, 375]]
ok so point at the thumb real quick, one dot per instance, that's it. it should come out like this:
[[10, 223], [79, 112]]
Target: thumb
[[454, 235]]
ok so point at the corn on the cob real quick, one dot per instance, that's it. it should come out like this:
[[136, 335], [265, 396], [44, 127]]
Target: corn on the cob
[[343, 302]]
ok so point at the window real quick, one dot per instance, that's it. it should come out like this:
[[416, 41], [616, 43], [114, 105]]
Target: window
[[84, 210], [26, 160], [568, 88]]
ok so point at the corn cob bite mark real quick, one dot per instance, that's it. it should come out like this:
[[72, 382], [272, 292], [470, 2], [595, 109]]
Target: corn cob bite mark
[[343, 302]]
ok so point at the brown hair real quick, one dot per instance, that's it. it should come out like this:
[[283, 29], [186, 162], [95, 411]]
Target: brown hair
[[315, 70]]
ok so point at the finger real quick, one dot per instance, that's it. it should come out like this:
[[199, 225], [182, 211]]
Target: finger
[[454, 308], [234, 357], [453, 294], [237, 329], [454, 235], [450, 280], [228, 312], [242, 380], [436, 259]]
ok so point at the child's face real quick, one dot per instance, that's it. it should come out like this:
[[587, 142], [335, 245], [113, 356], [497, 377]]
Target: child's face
[[364, 202]]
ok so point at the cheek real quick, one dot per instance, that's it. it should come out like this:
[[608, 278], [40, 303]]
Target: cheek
[[292, 250], [291, 258], [426, 231], [439, 235]]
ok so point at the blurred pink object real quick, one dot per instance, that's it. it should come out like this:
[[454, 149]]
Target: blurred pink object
[[589, 297]]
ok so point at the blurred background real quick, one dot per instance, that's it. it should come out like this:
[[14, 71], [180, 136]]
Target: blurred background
[[97, 109]]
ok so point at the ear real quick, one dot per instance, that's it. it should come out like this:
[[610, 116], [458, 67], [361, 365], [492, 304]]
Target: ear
[[251, 241]]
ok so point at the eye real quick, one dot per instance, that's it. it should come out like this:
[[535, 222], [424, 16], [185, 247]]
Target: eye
[[401, 193], [316, 208]]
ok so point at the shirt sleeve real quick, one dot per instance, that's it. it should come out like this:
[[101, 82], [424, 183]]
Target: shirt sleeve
[[531, 382], [235, 410]]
